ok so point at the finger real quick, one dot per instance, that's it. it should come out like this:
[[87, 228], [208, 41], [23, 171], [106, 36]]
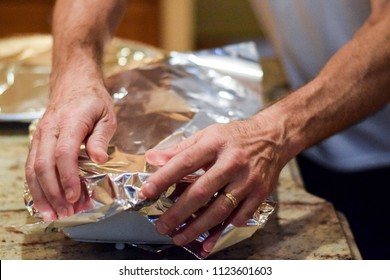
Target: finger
[[182, 164], [238, 218], [97, 142], [158, 157], [84, 203], [217, 212], [47, 176], [67, 150], [193, 198], [40, 202], [209, 220], [248, 207], [209, 244]]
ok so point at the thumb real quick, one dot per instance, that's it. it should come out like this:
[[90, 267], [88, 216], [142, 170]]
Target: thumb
[[97, 143]]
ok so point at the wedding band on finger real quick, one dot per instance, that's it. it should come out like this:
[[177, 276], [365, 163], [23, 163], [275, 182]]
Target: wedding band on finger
[[232, 199]]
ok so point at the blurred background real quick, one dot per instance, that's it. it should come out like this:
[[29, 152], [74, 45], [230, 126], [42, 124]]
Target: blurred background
[[169, 24]]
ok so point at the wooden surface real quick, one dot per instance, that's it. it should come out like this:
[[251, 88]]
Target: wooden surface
[[140, 21]]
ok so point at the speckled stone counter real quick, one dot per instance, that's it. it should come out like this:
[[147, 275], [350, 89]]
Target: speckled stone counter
[[303, 227]]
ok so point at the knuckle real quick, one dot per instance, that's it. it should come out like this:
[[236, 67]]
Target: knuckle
[[40, 202], [253, 180], [194, 231], [51, 198], [64, 150], [221, 211], [216, 128], [110, 124], [171, 221], [200, 194], [179, 146], [41, 165], [161, 181], [60, 151], [84, 126], [221, 174], [186, 160], [29, 172], [239, 156], [237, 159], [36, 136], [175, 221], [216, 132], [43, 124], [46, 126], [69, 180]]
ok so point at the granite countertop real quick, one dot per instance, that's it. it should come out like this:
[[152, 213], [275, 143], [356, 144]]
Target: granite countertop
[[303, 227]]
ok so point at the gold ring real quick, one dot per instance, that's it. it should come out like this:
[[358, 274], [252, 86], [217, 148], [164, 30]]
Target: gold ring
[[232, 199]]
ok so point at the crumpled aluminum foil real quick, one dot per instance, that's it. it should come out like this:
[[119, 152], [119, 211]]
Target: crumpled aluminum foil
[[157, 106]]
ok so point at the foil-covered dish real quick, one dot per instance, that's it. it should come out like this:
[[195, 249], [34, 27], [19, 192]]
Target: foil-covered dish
[[25, 65], [159, 104]]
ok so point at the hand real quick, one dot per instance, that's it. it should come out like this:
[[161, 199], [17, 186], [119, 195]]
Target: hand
[[80, 110], [242, 158]]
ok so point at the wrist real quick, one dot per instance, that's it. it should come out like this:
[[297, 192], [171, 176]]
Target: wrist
[[76, 59], [294, 120], [77, 68]]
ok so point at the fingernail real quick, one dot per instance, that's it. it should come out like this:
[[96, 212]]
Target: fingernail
[[141, 196], [162, 228], [180, 239], [62, 212], [69, 194], [204, 254], [209, 246], [100, 157], [149, 187], [46, 216]]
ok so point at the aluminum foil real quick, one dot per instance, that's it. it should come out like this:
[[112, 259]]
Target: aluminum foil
[[25, 65], [157, 106]]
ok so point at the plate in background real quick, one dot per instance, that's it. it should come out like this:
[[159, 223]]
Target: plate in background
[[25, 66]]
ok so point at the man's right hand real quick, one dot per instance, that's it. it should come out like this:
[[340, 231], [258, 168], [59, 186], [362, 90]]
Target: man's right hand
[[80, 108], [78, 113]]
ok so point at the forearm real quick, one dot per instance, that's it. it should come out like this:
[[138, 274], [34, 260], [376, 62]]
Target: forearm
[[353, 84], [81, 29]]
